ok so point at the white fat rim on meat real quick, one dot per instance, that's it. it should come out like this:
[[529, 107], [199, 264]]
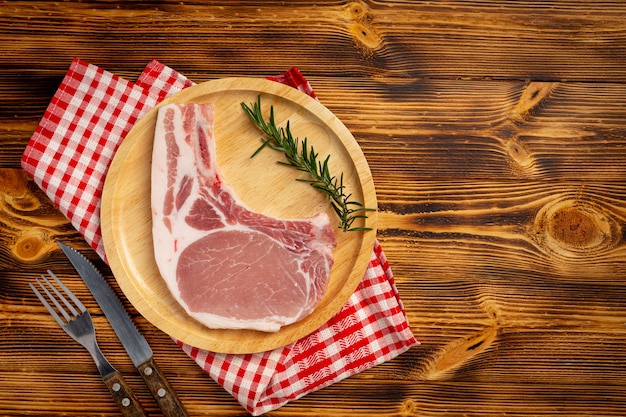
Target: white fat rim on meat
[[185, 235]]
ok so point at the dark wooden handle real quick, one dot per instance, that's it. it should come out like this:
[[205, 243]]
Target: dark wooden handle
[[163, 393], [124, 396]]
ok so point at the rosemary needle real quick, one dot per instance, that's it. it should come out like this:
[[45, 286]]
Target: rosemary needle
[[302, 156]]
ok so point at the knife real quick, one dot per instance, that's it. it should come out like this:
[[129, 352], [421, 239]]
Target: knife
[[135, 344]]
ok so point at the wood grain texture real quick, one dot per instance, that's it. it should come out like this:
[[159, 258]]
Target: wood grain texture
[[495, 132], [403, 39]]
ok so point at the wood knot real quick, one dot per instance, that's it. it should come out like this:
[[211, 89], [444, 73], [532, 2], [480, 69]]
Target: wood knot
[[357, 10], [572, 227], [13, 181], [32, 245], [365, 35], [460, 352], [520, 159], [358, 14], [534, 93], [28, 248], [13, 184], [408, 407]]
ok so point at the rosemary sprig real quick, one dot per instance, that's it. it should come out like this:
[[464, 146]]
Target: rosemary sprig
[[302, 156]]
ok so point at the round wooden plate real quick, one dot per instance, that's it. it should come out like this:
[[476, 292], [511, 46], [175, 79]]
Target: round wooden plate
[[260, 182]]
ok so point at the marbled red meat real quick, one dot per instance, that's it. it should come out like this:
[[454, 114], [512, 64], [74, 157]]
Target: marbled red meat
[[228, 266]]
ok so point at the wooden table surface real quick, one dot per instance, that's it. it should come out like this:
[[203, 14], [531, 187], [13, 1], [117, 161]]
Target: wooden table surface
[[496, 135]]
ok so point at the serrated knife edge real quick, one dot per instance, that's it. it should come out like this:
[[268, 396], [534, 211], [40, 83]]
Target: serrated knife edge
[[133, 341]]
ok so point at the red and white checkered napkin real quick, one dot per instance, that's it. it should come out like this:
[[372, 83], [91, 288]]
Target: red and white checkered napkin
[[68, 157]]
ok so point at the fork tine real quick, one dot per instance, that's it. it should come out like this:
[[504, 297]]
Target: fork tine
[[55, 301], [45, 303], [69, 293], [80, 328]]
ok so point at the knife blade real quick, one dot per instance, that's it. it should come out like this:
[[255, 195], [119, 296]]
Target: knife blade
[[134, 343]]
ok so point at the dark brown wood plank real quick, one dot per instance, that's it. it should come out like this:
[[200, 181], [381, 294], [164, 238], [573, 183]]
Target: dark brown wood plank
[[568, 231], [495, 133], [480, 284], [455, 129], [549, 41]]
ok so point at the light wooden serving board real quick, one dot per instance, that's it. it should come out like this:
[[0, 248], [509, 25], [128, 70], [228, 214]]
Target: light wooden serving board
[[262, 184]]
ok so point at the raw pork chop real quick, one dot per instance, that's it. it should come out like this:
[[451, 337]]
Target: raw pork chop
[[228, 266]]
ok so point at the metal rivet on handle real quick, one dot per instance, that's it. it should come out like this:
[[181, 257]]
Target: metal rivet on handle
[[116, 387], [125, 402], [148, 371], [161, 392]]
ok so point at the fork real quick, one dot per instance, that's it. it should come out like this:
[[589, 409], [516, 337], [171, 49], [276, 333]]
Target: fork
[[77, 322]]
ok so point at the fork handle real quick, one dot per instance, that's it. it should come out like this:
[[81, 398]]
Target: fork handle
[[123, 395]]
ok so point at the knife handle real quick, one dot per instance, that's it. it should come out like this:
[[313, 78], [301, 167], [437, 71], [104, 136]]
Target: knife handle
[[123, 395], [161, 390]]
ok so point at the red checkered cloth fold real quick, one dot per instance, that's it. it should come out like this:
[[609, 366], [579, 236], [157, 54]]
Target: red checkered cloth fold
[[68, 157]]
